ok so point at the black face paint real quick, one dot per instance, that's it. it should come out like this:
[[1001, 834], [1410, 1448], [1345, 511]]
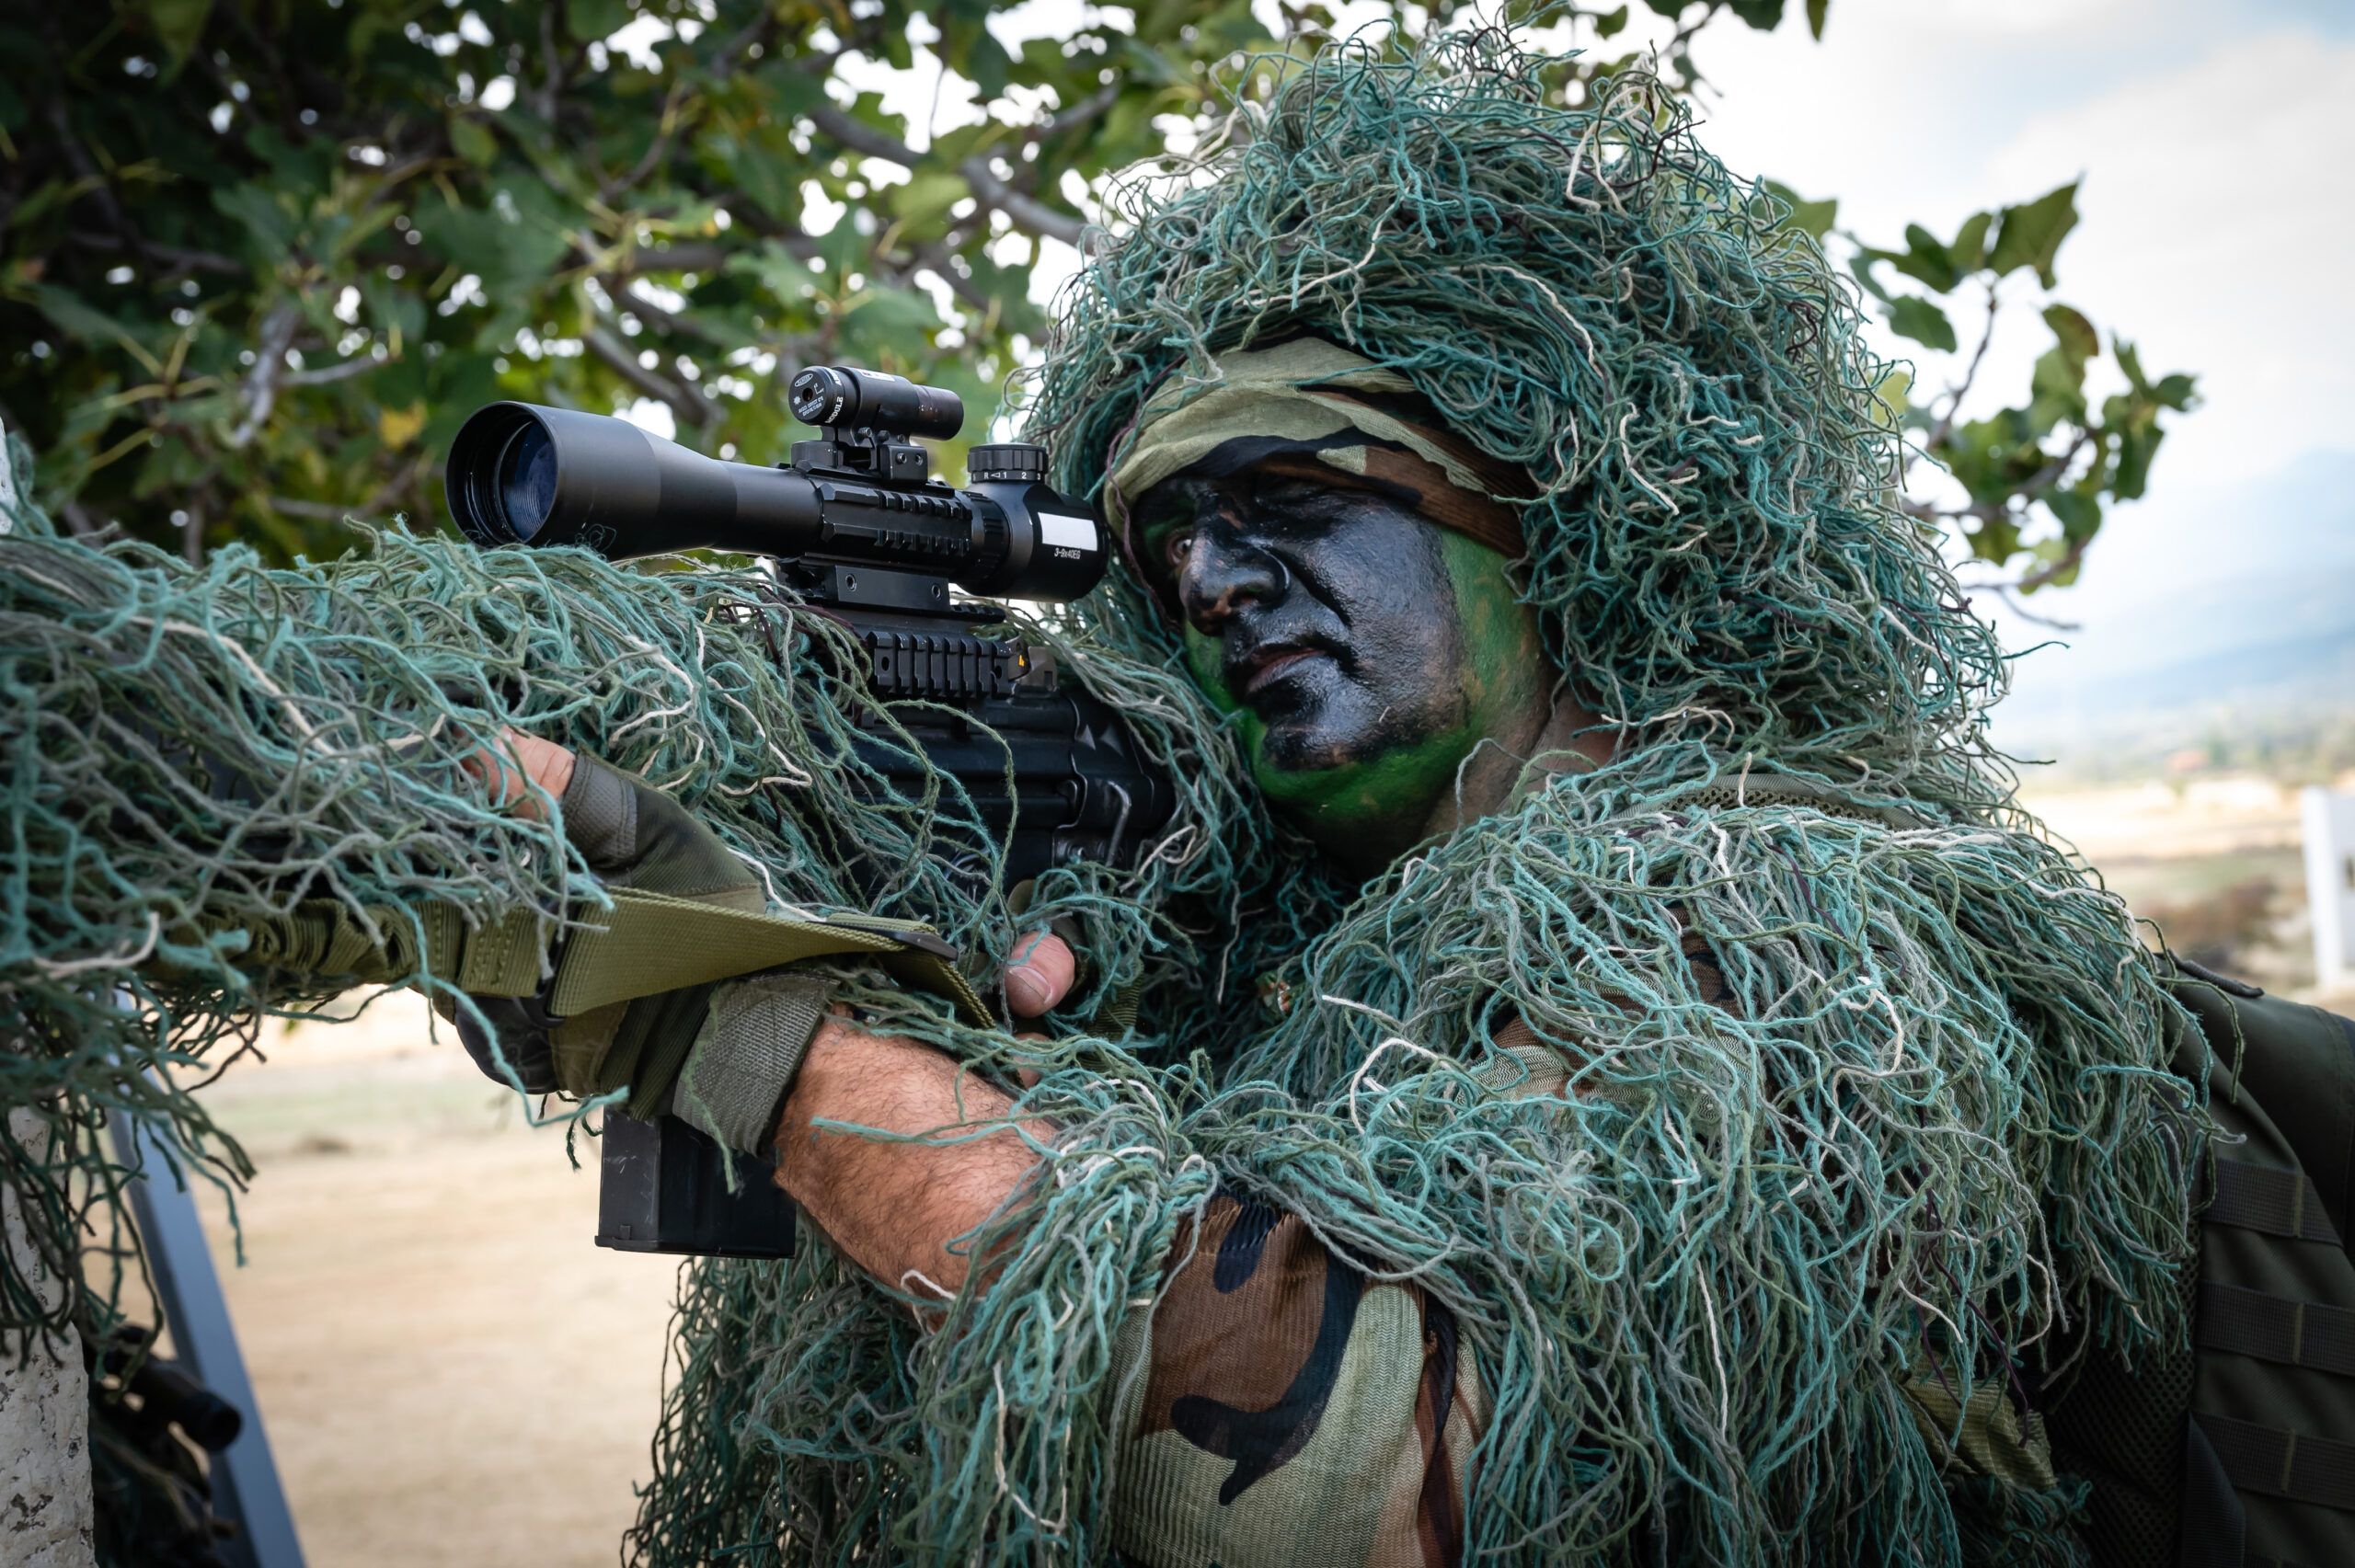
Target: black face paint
[[1367, 650]]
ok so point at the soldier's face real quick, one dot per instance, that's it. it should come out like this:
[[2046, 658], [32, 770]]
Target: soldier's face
[[1365, 650]]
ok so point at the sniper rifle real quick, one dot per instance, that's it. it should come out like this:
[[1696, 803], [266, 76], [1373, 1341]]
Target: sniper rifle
[[855, 526]]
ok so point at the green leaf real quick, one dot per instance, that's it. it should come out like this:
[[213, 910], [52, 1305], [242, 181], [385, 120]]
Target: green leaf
[[393, 311], [2031, 233], [1815, 217], [179, 24], [1815, 10], [785, 275], [1969, 251], [2078, 511], [969, 48], [2056, 391], [1926, 261], [792, 92], [511, 243], [1609, 23], [2074, 333], [1996, 540], [927, 196], [472, 141], [1763, 14], [258, 211], [1861, 266], [2137, 445], [1915, 317], [2130, 361], [591, 21], [70, 315], [891, 325], [764, 167]]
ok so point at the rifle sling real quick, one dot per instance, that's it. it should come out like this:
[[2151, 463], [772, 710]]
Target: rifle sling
[[650, 941]]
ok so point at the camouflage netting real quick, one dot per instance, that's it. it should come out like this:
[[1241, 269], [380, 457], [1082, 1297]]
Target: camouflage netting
[[1921, 1135]]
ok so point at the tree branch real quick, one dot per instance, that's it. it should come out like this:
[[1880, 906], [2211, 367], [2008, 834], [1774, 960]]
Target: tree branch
[[666, 320], [178, 260], [934, 257], [552, 78], [1956, 392], [329, 512], [86, 174], [2053, 569], [655, 150], [1078, 114], [269, 363], [1026, 212], [359, 364], [677, 259], [688, 405]]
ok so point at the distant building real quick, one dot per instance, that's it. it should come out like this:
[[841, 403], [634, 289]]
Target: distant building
[[2329, 824]]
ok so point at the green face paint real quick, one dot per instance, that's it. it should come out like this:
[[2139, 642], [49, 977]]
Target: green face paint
[[1364, 652]]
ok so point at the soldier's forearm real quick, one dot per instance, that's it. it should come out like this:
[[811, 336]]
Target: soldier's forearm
[[894, 1207]]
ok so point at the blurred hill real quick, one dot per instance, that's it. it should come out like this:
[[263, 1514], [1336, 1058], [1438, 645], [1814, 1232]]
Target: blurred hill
[[2215, 629]]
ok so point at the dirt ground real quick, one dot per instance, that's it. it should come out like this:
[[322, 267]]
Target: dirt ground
[[2182, 851], [452, 1375]]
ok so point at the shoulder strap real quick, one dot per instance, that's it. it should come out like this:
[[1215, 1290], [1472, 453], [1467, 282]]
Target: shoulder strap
[[2273, 1397], [652, 942], [645, 943]]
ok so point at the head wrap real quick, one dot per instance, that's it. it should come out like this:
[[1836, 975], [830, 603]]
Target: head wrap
[[1314, 408]]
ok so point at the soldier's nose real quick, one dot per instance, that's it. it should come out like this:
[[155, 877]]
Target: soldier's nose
[[1222, 573]]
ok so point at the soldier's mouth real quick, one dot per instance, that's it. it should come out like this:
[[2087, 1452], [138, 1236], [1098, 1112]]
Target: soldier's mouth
[[1271, 663]]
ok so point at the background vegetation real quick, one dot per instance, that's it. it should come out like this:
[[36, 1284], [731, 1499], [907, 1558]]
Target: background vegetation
[[259, 257]]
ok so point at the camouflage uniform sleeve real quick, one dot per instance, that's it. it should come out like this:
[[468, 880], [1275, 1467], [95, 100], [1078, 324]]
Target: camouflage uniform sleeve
[[1279, 1408]]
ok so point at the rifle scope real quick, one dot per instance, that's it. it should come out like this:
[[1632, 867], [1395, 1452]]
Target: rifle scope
[[855, 509]]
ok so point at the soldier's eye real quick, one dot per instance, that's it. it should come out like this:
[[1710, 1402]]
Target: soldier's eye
[[1175, 548]]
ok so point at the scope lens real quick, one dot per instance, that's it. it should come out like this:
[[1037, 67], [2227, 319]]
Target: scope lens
[[527, 479]]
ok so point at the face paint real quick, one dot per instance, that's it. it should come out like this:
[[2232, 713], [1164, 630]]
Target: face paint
[[1365, 650]]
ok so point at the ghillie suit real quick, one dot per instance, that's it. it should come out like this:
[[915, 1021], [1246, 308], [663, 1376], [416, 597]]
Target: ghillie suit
[[1837, 1118], [1867, 1127]]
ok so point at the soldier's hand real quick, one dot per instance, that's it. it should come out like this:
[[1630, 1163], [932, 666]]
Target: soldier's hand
[[632, 834], [1040, 974]]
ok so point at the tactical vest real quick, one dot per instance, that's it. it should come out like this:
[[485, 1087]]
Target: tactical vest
[[2239, 1452]]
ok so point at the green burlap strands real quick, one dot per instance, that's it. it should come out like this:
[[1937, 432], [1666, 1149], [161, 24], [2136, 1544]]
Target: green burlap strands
[[1865, 1077], [1919, 1141], [232, 792], [1923, 1130]]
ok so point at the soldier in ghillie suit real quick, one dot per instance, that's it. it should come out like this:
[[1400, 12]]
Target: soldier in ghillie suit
[[1690, 1115], [1599, 1069]]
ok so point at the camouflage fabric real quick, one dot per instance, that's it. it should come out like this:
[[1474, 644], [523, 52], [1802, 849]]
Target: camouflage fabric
[[1331, 415], [1280, 1407]]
